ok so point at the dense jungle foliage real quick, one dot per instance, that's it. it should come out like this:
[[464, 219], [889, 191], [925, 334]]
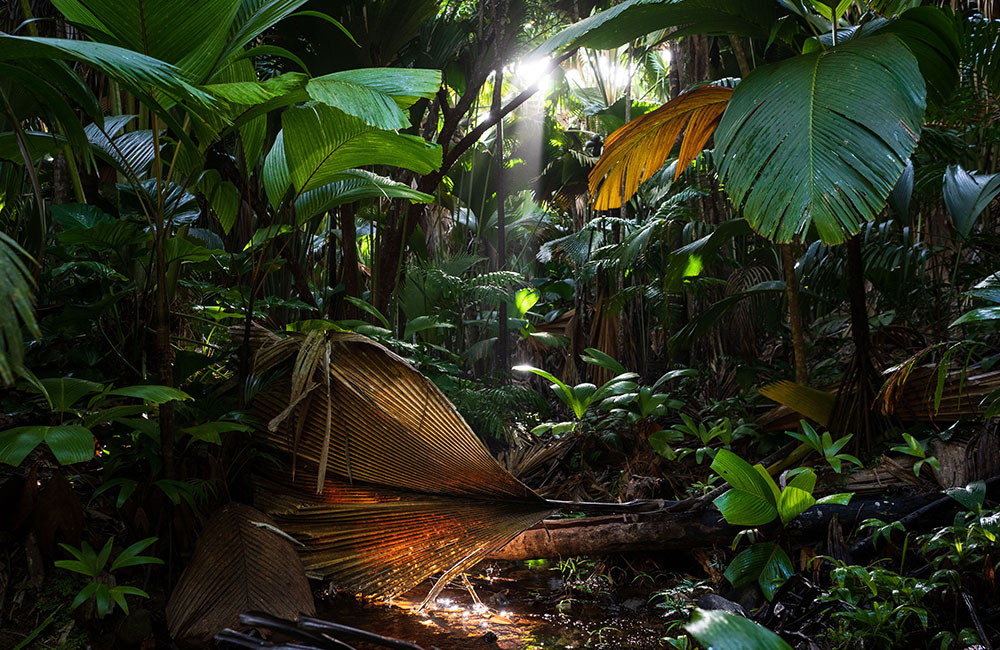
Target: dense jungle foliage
[[739, 256]]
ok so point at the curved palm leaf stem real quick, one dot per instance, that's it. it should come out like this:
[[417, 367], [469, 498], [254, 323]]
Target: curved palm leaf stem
[[164, 351]]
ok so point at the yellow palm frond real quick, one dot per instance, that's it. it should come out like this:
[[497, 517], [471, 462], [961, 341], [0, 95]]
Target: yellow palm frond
[[812, 403], [636, 151]]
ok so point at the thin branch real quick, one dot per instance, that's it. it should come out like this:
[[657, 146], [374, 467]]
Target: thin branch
[[454, 153]]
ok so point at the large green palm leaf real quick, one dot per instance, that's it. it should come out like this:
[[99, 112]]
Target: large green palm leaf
[[138, 72], [821, 138], [634, 18], [355, 185], [318, 142], [190, 34]]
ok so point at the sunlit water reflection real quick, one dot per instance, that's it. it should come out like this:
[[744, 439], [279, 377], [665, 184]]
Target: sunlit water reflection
[[525, 608]]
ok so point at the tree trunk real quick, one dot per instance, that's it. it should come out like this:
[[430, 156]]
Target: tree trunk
[[331, 268], [852, 411], [794, 314], [685, 531], [503, 357], [349, 241], [164, 352]]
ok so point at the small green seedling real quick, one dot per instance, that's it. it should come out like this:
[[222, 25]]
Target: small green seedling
[[92, 564], [917, 449], [826, 446]]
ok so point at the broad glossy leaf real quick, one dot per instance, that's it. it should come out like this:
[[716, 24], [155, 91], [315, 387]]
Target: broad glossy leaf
[[190, 34], [752, 501], [987, 289], [136, 70], [741, 508], [805, 480], [967, 195], [39, 144], [277, 181], [971, 496], [354, 185], [740, 474], [63, 392], [930, 35], [604, 360], [320, 142], [765, 563], [840, 499], [151, 393], [404, 85], [634, 18], [636, 151], [821, 138], [69, 443], [899, 198], [371, 106], [978, 315], [17, 443], [720, 630], [251, 92], [525, 299], [423, 323], [793, 502], [131, 152], [225, 202]]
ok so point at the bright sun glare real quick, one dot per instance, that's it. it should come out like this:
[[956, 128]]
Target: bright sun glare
[[532, 71]]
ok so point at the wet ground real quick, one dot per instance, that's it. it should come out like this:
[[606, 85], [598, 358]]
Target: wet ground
[[525, 606]]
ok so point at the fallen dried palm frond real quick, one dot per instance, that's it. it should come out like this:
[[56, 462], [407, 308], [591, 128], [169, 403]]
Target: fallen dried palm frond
[[925, 393], [910, 393], [241, 563], [382, 542], [403, 488]]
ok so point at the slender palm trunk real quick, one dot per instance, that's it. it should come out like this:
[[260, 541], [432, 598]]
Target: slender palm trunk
[[349, 239], [499, 16], [794, 313], [853, 412]]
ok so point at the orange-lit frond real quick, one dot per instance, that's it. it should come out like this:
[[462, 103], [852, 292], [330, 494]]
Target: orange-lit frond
[[636, 151], [406, 489]]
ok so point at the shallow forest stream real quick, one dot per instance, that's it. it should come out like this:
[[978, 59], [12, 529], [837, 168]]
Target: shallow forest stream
[[526, 606]]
